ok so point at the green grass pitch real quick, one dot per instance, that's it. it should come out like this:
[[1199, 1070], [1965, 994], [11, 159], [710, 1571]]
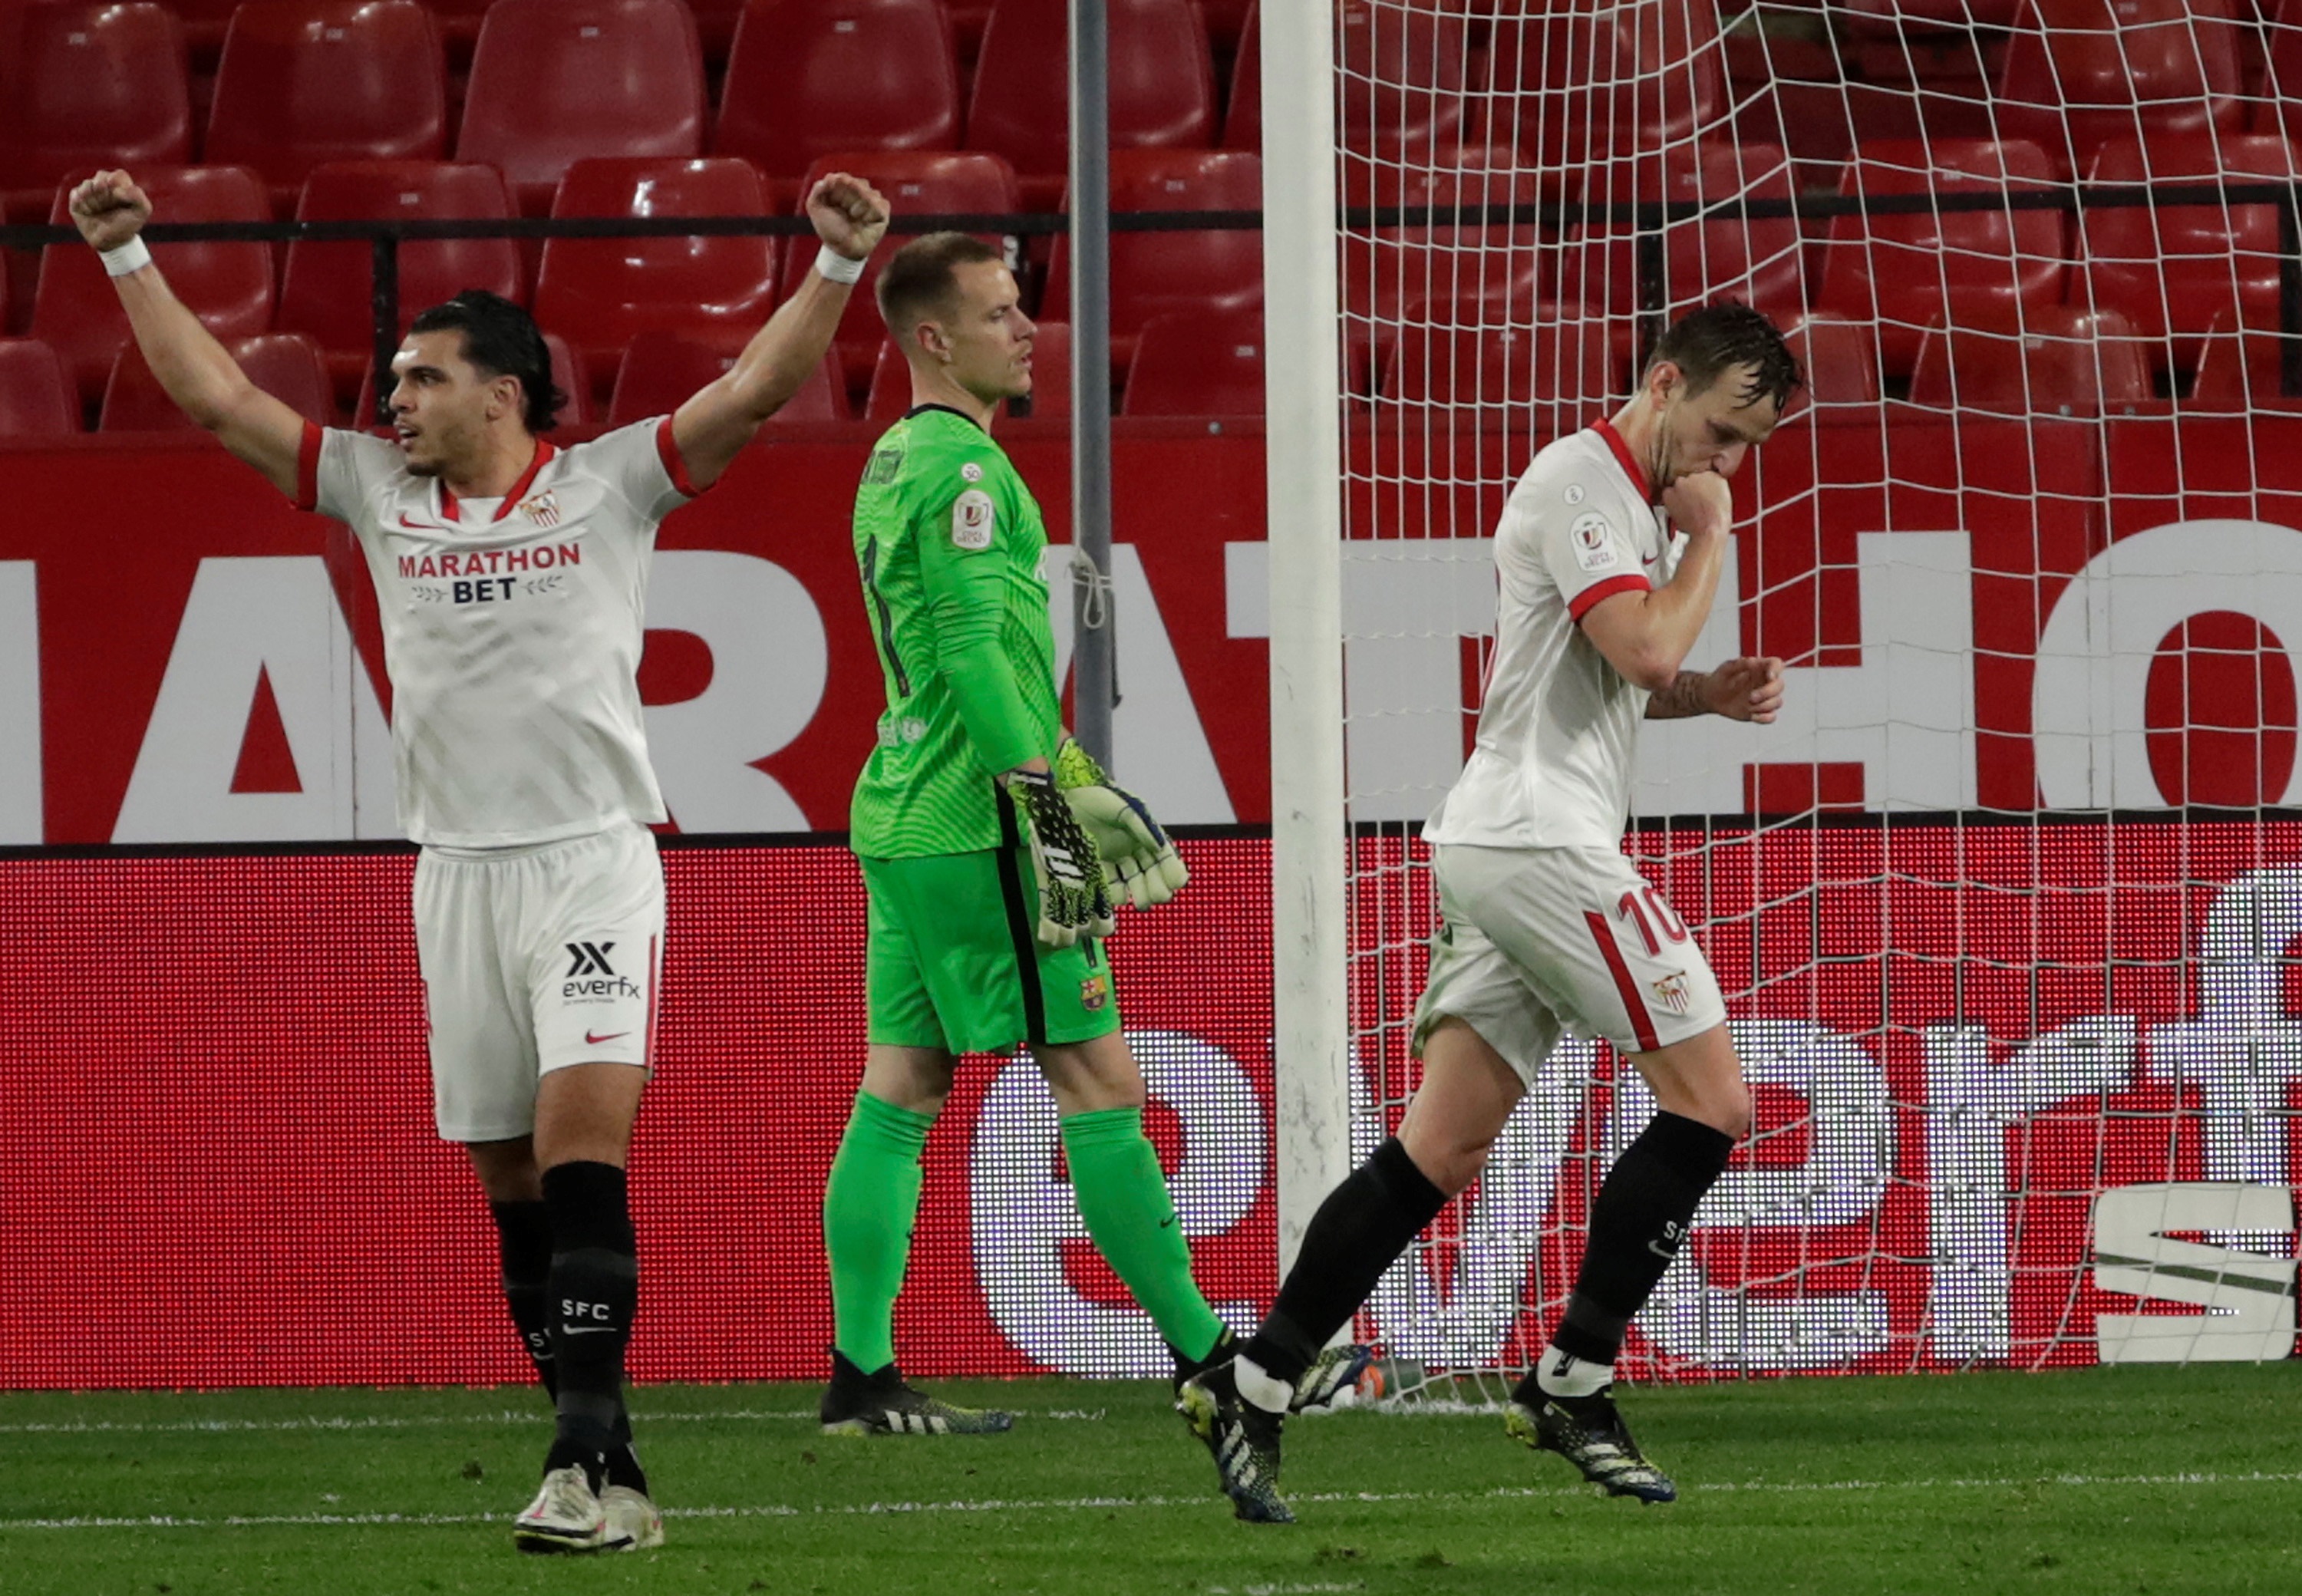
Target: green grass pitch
[[2096, 1481]]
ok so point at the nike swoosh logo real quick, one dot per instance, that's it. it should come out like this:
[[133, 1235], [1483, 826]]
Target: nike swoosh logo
[[416, 526], [1648, 559], [1668, 1255], [586, 1330], [1166, 1221], [591, 1040]]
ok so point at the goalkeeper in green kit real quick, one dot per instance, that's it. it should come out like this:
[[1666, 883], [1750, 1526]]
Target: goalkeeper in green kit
[[993, 848]]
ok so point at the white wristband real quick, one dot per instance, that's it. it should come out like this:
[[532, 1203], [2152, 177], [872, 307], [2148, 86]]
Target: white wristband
[[834, 267], [133, 255]]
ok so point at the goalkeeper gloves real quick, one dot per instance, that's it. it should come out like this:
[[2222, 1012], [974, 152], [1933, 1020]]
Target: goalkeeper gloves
[[1072, 900], [1136, 854]]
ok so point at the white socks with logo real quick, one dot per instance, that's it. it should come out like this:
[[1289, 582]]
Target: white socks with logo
[[1563, 1375]]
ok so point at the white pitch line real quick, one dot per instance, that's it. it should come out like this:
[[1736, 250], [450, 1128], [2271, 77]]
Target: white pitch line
[[1081, 1504], [441, 1420]]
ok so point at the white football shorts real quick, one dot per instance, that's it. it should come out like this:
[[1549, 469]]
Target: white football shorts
[[1534, 942], [535, 959]]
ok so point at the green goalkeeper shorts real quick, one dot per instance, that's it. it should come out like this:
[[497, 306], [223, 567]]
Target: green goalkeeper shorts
[[954, 959]]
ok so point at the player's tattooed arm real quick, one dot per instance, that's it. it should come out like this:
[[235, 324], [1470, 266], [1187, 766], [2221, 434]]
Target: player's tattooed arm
[[1748, 689], [851, 217], [196, 370]]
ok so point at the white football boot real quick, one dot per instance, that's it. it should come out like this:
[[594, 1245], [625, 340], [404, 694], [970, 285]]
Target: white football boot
[[633, 1525], [566, 1515]]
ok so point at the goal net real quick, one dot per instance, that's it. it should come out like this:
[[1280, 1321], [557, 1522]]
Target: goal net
[[2004, 904]]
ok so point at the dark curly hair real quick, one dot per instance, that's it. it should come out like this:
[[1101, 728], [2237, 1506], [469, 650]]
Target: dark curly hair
[[500, 340]]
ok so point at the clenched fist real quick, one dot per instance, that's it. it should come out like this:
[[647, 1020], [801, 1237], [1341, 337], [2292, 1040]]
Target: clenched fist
[[849, 215], [109, 209], [1700, 504]]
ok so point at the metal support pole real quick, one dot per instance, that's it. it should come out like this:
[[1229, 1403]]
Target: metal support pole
[[1094, 674], [384, 306]]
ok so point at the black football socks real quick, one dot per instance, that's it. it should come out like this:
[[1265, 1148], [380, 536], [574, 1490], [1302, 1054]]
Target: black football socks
[[1358, 1233], [1638, 1223], [592, 1295]]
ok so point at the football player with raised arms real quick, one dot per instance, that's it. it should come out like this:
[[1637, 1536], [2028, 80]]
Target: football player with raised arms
[[510, 576], [1608, 553], [992, 847]]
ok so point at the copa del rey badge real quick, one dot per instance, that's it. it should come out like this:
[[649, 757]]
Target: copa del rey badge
[[972, 516], [543, 510]]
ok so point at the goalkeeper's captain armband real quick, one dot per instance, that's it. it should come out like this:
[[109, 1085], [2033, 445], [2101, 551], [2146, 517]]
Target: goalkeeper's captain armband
[[1065, 867]]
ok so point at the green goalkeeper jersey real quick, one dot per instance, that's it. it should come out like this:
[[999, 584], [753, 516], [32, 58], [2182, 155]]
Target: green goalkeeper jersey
[[949, 543]]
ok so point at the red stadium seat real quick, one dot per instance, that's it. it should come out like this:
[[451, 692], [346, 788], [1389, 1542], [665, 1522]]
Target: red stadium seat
[[1912, 16], [2239, 369], [206, 23], [1839, 358], [2080, 72], [568, 375], [1162, 85], [916, 182], [1155, 273], [1754, 259], [1422, 271], [1403, 73], [1190, 365], [556, 81], [2051, 360], [460, 23], [661, 371], [716, 23], [2279, 108], [600, 293], [1051, 379], [306, 81], [84, 87], [229, 286], [326, 291], [1567, 364], [285, 365], [35, 393], [1050, 398], [1579, 86], [2175, 270], [811, 77], [1243, 119], [1906, 271]]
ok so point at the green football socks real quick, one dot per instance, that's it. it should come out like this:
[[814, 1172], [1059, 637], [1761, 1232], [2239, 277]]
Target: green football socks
[[1124, 1198], [869, 1206]]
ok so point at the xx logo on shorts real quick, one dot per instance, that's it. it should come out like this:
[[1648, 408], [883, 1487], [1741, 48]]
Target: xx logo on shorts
[[591, 958]]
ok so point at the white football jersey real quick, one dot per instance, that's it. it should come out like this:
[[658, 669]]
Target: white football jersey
[[511, 630], [1558, 733]]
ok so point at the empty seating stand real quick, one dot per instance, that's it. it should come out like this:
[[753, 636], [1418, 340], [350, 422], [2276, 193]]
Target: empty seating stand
[[85, 86], [813, 78], [600, 293], [557, 81], [1162, 86], [303, 82], [227, 285], [326, 291]]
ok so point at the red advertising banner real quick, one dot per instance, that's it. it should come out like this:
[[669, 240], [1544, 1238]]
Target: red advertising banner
[[2026, 1093]]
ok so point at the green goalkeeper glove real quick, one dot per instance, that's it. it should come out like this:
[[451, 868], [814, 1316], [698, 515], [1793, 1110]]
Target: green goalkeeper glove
[[1137, 853], [1072, 900]]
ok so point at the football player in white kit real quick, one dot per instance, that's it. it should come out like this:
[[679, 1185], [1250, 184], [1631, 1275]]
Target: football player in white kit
[[511, 576], [1608, 552]]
